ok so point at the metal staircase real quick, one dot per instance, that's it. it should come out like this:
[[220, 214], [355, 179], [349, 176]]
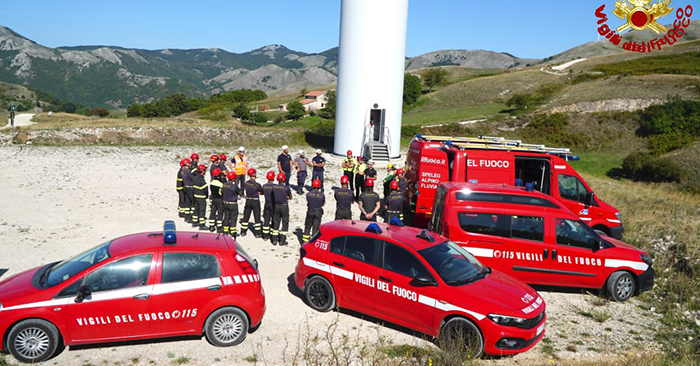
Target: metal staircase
[[379, 151]]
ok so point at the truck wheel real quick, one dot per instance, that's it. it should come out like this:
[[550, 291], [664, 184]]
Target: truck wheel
[[226, 327], [319, 294], [462, 336], [33, 340], [620, 286]]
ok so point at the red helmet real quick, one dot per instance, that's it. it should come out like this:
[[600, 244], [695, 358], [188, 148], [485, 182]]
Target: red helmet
[[344, 180], [194, 156], [252, 172], [270, 175], [349, 152], [400, 171], [394, 184], [369, 182], [185, 162], [202, 168], [359, 158], [231, 176], [214, 158], [222, 157], [316, 183], [281, 177], [216, 172]]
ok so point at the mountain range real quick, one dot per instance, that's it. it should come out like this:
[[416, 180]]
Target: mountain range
[[117, 77]]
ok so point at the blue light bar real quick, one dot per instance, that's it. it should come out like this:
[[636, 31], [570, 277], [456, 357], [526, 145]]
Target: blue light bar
[[373, 228], [395, 221], [518, 182], [169, 233], [448, 143], [419, 136], [574, 158], [529, 187]]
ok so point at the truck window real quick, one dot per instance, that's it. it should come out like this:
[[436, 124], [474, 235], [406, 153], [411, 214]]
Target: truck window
[[479, 223], [534, 170], [437, 210], [575, 233], [571, 188], [527, 227]]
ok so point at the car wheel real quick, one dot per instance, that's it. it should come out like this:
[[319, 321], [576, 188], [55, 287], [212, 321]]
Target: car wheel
[[319, 294], [226, 327], [620, 286], [33, 340], [463, 337]]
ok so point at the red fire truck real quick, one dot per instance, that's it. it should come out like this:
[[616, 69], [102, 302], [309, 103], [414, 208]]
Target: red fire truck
[[432, 160]]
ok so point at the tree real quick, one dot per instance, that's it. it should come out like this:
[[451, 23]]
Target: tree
[[435, 77], [295, 110], [328, 112], [133, 111], [99, 111], [412, 88], [69, 107], [303, 92], [258, 117], [520, 101], [242, 112]]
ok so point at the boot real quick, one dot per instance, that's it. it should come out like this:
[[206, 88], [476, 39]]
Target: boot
[[203, 227], [181, 214], [283, 240], [266, 237], [212, 229], [273, 240], [243, 233], [188, 219]]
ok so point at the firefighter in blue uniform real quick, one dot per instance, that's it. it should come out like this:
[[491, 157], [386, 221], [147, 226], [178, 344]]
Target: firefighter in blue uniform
[[394, 203], [280, 220], [179, 187], [253, 190], [230, 192], [370, 203], [216, 202], [201, 192], [315, 200], [188, 190], [269, 205], [344, 198]]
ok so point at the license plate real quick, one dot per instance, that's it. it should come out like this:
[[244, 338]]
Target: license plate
[[540, 329]]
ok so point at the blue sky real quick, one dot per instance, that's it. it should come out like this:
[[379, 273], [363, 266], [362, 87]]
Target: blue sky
[[523, 28]]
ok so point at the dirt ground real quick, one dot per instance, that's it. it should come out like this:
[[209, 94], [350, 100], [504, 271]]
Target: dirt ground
[[56, 202]]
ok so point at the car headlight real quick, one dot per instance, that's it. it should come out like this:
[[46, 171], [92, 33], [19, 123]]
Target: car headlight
[[619, 217], [645, 258], [509, 321]]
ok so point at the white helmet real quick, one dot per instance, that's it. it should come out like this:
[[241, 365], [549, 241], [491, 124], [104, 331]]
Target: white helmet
[[318, 151], [241, 149], [371, 162], [285, 147], [301, 152]]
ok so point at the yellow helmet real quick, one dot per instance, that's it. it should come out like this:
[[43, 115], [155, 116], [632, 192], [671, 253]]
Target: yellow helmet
[[390, 166]]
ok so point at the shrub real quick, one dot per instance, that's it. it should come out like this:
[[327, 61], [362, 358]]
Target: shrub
[[661, 144], [644, 167], [241, 111], [633, 163], [295, 110], [410, 131], [100, 112], [258, 117]]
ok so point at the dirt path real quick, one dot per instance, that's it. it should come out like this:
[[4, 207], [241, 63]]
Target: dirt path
[[21, 120], [57, 202]]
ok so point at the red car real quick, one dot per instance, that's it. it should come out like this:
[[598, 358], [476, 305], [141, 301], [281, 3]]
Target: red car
[[536, 239], [148, 285], [421, 281]]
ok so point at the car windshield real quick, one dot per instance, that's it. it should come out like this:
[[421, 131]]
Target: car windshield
[[454, 264], [67, 269]]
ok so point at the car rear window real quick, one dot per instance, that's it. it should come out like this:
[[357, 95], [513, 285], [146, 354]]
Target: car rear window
[[362, 248], [527, 227], [505, 198], [479, 223], [179, 267]]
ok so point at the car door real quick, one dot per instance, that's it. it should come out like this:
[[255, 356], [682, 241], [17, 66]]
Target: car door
[[120, 292], [187, 282], [576, 260], [524, 249], [397, 292], [482, 234], [356, 282], [574, 195]]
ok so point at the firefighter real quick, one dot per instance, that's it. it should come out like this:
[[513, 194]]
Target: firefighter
[[344, 200], [390, 177], [349, 168], [216, 202], [369, 202], [230, 192], [318, 162], [239, 164], [302, 165], [200, 198], [280, 220], [359, 177], [214, 165], [284, 164], [188, 190], [253, 190], [394, 203], [268, 210], [222, 164], [315, 201], [370, 172], [179, 187], [401, 178], [195, 162]]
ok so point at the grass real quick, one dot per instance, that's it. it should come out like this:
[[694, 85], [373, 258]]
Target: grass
[[598, 163], [455, 114], [599, 315], [685, 63], [181, 360], [252, 358]]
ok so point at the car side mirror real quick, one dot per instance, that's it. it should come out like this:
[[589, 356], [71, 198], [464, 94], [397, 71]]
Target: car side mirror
[[422, 281], [590, 199], [83, 292]]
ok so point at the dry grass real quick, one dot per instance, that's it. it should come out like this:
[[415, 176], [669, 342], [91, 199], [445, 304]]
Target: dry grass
[[66, 120]]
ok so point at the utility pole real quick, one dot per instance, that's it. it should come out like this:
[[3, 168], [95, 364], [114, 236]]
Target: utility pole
[[12, 121]]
